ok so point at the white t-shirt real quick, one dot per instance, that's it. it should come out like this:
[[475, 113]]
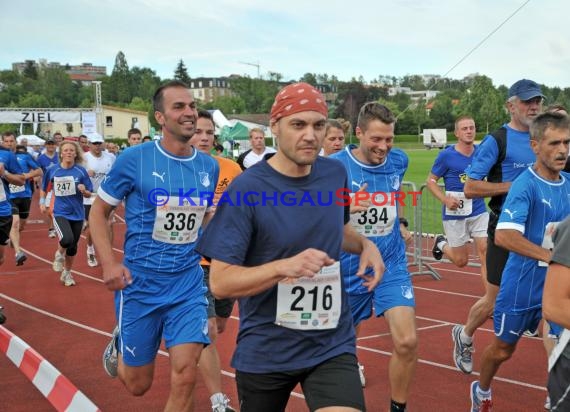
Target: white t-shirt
[[100, 166], [252, 157]]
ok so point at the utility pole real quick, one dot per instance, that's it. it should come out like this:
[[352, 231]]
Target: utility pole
[[99, 107], [254, 65]]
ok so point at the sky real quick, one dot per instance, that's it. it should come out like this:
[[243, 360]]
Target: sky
[[349, 39]]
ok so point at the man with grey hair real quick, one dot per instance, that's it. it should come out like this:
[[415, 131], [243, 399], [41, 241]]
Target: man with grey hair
[[501, 157]]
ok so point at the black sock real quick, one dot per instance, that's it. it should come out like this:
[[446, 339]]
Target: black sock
[[397, 407]]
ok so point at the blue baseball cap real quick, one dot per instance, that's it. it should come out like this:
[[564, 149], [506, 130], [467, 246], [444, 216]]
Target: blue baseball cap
[[525, 90]]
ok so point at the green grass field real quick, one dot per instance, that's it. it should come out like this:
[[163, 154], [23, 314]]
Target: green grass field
[[420, 163]]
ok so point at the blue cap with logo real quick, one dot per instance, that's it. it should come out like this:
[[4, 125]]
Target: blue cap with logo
[[525, 90]]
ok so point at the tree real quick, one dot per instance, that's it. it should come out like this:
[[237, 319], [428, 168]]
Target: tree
[[257, 94], [484, 103], [442, 113], [181, 73], [310, 78], [30, 70], [121, 80], [227, 104]]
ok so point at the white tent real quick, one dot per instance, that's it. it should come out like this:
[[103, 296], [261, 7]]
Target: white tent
[[31, 138]]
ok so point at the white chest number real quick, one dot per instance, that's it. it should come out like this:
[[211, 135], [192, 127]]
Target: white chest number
[[311, 303], [465, 205], [376, 220], [64, 186], [178, 221], [547, 242], [16, 188]]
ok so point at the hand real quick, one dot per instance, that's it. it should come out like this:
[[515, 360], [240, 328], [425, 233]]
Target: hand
[[2, 169], [81, 188], [451, 203], [361, 205], [370, 257], [91, 173], [116, 276], [406, 234], [307, 263]]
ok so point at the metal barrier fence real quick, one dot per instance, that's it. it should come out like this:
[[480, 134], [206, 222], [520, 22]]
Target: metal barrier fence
[[424, 216]]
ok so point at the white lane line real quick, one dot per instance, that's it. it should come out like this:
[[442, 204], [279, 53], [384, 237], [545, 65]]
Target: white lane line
[[85, 275]]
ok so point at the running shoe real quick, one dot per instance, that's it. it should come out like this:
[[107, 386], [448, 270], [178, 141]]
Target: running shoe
[[223, 405], [436, 251], [20, 258], [91, 260], [479, 404], [111, 354], [462, 352], [58, 260], [2, 316], [51, 233], [66, 278]]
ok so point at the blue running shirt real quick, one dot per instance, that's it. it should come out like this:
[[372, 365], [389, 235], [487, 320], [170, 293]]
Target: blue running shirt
[[162, 222], [68, 201], [27, 163], [532, 205], [11, 165], [380, 222], [451, 165]]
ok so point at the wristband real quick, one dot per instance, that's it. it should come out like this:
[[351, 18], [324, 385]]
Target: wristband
[[404, 221], [42, 201]]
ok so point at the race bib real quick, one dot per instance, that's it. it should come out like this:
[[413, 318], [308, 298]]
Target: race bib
[[465, 207], [16, 188], [311, 303], [376, 220], [2, 192], [64, 186], [177, 220], [547, 242]]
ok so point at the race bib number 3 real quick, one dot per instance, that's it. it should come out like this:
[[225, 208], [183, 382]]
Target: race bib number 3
[[64, 186], [465, 207], [311, 303], [177, 220]]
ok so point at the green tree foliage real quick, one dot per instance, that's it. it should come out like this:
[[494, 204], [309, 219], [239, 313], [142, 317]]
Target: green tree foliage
[[181, 73], [145, 82], [30, 70], [227, 104], [484, 102], [310, 78], [257, 94], [121, 81], [442, 113]]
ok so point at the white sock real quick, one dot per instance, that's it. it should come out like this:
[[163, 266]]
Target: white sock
[[441, 244], [464, 338], [90, 249], [217, 399]]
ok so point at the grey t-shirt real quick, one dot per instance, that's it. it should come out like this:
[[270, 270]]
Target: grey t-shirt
[[561, 255]]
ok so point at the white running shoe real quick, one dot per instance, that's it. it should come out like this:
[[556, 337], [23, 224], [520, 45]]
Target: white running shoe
[[57, 265], [67, 278], [91, 260]]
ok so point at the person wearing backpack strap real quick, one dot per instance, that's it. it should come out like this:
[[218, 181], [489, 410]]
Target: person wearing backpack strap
[[501, 157]]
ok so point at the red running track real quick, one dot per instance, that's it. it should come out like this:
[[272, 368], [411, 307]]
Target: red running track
[[70, 327]]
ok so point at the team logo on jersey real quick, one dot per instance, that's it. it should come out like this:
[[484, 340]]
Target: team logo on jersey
[[463, 177], [511, 214], [204, 178], [547, 202], [407, 292], [160, 176], [395, 182]]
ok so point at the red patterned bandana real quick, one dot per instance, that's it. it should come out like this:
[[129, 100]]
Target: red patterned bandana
[[295, 98]]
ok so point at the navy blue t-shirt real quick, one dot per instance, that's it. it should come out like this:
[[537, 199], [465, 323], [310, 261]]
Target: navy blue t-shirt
[[264, 216]]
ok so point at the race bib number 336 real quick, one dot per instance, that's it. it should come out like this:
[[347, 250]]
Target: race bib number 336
[[311, 303], [177, 220]]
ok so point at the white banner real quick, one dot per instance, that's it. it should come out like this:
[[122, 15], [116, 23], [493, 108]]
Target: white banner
[[89, 123], [39, 117]]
